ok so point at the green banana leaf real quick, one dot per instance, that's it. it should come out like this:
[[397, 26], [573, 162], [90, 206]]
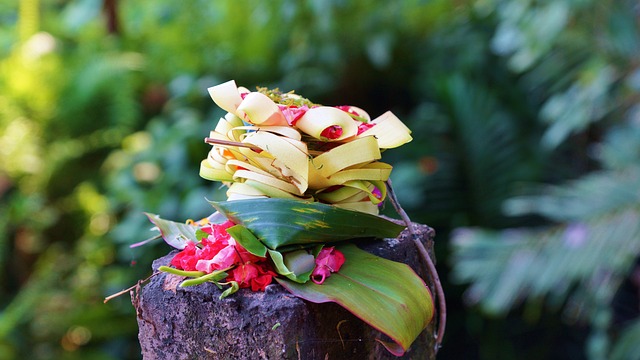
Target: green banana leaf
[[284, 222], [247, 240], [385, 294]]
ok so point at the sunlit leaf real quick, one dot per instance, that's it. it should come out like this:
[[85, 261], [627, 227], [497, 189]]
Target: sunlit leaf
[[282, 222], [385, 294], [174, 233], [247, 240]]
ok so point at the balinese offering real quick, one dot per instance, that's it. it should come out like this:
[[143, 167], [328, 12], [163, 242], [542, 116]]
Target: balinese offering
[[302, 180]]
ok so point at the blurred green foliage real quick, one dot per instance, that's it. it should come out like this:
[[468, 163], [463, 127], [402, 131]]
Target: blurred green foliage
[[103, 108]]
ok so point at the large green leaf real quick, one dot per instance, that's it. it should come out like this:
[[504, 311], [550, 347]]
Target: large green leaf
[[247, 240], [385, 294], [283, 222], [174, 233]]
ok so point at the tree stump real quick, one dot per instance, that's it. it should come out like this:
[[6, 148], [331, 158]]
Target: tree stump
[[192, 323]]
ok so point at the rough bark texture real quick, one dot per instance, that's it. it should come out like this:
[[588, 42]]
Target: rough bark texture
[[191, 323]]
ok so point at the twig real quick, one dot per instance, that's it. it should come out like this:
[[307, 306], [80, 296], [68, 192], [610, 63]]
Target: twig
[[143, 242], [212, 141], [442, 305], [231, 143], [110, 297]]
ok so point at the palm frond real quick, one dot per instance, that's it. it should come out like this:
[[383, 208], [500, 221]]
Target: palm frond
[[485, 151], [628, 346], [505, 267], [594, 195]]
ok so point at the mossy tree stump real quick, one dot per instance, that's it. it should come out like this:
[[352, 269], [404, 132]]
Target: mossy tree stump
[[192, 323]]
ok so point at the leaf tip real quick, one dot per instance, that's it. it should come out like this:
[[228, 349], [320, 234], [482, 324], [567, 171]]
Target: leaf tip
[[392, 347]]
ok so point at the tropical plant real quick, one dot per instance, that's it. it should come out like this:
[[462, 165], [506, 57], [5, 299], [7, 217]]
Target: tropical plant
[[578, 258]]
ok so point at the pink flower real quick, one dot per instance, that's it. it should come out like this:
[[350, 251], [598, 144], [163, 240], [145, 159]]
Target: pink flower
[[348, 109], [219, 231], [378, 194], [223, 259], [208, 255], [293, 113], [220, 251], [328, 260], [362, 127]]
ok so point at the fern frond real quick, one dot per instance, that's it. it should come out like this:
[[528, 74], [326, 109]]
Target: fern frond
[[594, 195], [486, 153], [504, 267], [628, 346]]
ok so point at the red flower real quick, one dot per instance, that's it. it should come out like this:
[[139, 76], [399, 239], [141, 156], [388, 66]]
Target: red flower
[[348, 109], [362, 126], [187, 258], [220, 251], [332, 132], [328, 260], [243, 274], [245, 256], [252, 275], [260, 282]]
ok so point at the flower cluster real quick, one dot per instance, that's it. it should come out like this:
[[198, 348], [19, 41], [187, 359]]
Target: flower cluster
[[218, 251]]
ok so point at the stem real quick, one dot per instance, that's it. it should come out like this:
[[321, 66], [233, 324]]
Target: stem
[[178, 272], [252, 147], [431, 268], [214, 276], [239, 255], [231, 143], [143, 242], [110, 297]]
